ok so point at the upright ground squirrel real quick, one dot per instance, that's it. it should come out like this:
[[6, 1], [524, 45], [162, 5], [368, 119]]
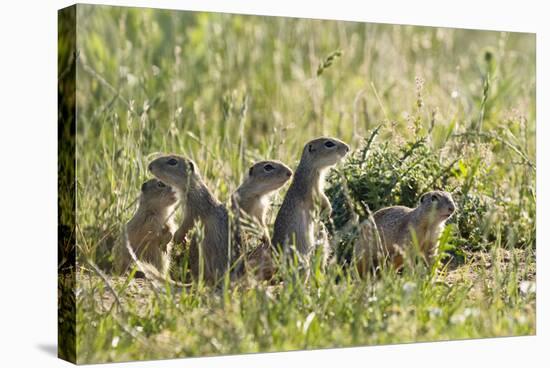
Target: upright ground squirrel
[[149, 232], [294, 223], [199, 205], [252, 199]]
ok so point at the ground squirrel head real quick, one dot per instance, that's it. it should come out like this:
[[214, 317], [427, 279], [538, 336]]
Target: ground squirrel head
[[174, 170], [440, 202], [324, 152], [265, 177], [155, 194]]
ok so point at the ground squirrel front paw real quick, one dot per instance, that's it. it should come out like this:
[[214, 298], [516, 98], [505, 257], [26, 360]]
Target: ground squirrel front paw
[[326, 207], [179, 236]]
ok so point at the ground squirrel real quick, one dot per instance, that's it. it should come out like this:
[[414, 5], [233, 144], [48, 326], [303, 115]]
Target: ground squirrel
[[264, 178], [199, 205], [252, 201], [149, 232], [294, 223], [397, 225]]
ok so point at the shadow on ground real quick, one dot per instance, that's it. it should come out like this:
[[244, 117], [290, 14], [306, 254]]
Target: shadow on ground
[[50, 349]]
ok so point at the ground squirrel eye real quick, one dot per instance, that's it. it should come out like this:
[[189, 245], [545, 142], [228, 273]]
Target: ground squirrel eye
[[172, 162], [269, 167], [329, 144], [160, 184]]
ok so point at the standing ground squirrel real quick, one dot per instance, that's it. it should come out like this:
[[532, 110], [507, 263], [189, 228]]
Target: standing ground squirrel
[[294, 223], [399, 225], [149, 232], [252, 202], [264, 178], [198, 204]]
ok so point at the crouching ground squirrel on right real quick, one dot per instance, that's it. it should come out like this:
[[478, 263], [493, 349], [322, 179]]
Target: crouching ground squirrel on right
[[294, 224], [397, 225]]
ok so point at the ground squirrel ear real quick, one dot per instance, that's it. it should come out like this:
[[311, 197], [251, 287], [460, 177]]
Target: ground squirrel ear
[[310, 148], [191, 166], [423, 197], [250, 171], [143, 186]]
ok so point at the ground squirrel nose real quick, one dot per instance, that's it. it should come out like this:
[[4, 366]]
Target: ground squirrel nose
[[289, 174]]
